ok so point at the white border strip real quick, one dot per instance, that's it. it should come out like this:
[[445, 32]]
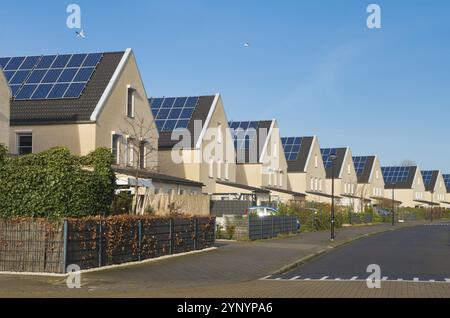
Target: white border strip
[[98, 269], [111, 85]]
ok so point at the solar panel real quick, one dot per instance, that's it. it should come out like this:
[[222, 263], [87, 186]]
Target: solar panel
[[49, 76], [447, 180], [427, 175], [243, 133], [395, 174], [171, 113], [326, 156], [291, 146], [359, 163]]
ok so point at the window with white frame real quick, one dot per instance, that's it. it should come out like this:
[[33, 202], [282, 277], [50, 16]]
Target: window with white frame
[[219, 169], [130, 151], [219, 133], [312, 183], [320, 185], [316, 161], [349, 169], [227, 171], [130, 101], [24, 143], [115, 147], [211, 168]]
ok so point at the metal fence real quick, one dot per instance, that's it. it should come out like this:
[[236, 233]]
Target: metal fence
[[256, 228], [271, 226], [229, 207], [42, 246]]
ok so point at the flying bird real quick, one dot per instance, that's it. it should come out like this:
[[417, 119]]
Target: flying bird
[[80, 34]]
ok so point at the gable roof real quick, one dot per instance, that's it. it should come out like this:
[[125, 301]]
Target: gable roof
[[199, 113], [299, 154], [250, 139], [338, 162], [363, 167], [70, 110], [399, 177], [430, 179], [447, 181]]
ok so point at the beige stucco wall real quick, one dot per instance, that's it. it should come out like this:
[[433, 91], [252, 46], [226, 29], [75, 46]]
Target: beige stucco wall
[[274, 164], [217, 151], [113, 116], [5, 96], [188, 168], [79, 138], [214, 160], [313, 179], [440, 191], [408, 196], [315, 170], [375, 186], [86, 137], [249, 174]]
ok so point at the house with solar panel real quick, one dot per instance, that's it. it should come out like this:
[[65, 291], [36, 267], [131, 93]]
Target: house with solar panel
[[80, 101], [435, 190], [306, 172], [446, 178], [343, 171], [194, 139], [404, 184], [260, 158], [370, 187], [5, 96]]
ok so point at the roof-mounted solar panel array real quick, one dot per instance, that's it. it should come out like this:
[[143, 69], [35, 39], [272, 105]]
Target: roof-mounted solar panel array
[[326, 156], [49, 76], [393, 175], [359, 163], [171, 113], [427, 175], [243, 133], [291, 146]]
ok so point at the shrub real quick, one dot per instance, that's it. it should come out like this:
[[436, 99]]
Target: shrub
[[56, 183]]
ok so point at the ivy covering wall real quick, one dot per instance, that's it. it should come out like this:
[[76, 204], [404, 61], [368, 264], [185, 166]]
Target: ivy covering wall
[[55, 184]]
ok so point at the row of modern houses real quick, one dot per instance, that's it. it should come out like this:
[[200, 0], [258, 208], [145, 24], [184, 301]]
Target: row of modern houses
[[189, 144]]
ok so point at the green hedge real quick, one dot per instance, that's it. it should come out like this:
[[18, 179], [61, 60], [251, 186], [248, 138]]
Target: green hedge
[[56, 183]]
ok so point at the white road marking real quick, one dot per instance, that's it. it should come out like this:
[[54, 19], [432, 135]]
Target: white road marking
[[337, 278], [432, 280], [278, 278], [354, 278], [399, 279], [325, 277], [385, 278], [295, 277], [415, 279], [447, 280], [307, 279]]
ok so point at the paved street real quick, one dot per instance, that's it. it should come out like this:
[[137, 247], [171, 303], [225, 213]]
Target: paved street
[[235, 269], [415, 254]]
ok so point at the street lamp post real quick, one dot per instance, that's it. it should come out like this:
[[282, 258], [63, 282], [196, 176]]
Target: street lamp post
[[393, 205], [332, 158]]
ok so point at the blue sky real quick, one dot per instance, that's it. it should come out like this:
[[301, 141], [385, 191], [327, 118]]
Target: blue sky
[[312, 65]]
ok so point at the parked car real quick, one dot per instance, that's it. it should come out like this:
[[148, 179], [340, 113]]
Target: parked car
[[261, 211]]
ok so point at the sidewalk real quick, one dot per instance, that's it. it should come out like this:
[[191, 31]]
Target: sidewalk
[[233, 263]]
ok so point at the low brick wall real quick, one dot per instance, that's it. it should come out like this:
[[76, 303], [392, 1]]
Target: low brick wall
[[30, 245]]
